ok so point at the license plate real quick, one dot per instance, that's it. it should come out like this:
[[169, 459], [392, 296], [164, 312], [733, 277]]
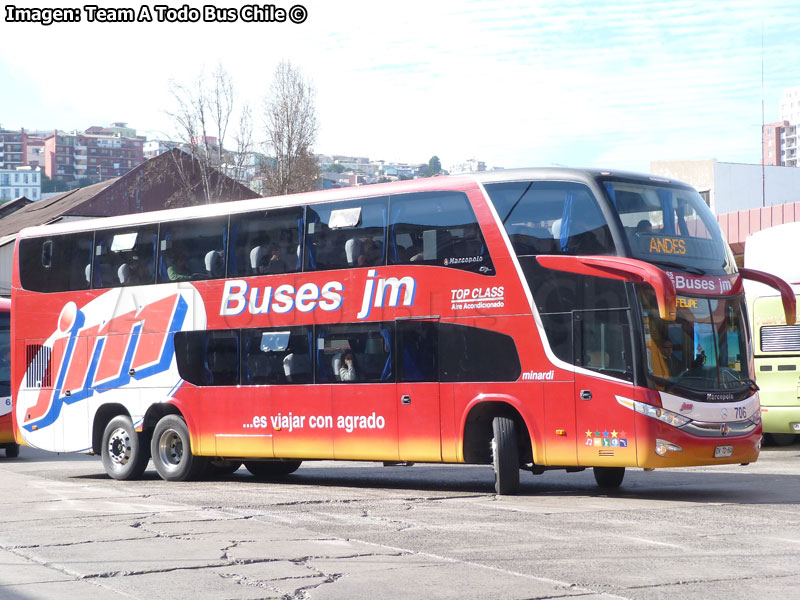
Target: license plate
[[723, 451]]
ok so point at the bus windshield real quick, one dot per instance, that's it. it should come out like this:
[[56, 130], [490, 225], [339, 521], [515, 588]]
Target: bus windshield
[[705, 349], [671, 227]]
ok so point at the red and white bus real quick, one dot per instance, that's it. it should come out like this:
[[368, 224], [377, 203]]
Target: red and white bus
[[518, 319], [6, 430]]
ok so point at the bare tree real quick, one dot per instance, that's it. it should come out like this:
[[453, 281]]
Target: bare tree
[[202, 117], [291, 123]]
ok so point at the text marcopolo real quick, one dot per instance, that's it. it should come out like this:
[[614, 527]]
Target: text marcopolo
[[92, 13]]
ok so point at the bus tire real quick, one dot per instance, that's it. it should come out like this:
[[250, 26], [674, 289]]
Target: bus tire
[[609, 477], [272, 468], [505, 455], [171, 450], [12, 450], [124, 452]]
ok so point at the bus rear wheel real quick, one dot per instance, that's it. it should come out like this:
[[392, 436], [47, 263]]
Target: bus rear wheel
[[124, 452], [609, 477], [272, 468], [12, 450], [505, 455], [172, 451]]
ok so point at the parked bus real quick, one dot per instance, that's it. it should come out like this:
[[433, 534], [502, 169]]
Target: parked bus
[[6, 430], [775, 343], [518, 319]]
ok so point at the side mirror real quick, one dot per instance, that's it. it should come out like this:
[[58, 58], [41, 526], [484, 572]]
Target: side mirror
[[623, 269], [773, 281]]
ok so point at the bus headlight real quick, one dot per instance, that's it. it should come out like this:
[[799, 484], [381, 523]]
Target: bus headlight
[[662, 414], [663, 446]]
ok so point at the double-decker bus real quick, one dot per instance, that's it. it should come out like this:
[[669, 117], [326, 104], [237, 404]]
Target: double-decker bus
[[6, 430], [776, 344], [519, 319]]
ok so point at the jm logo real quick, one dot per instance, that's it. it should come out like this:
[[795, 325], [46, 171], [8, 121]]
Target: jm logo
[[98, 358]]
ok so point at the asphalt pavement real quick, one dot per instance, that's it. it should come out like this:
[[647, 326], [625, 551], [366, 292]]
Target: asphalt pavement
[[362, 530]]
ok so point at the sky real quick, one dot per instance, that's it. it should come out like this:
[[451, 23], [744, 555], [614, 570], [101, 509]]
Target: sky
[[538, 83]]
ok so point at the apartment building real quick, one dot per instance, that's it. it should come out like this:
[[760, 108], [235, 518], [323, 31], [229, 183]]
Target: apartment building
[[779, 144], [98, 153], [24, 181], [12, 148]]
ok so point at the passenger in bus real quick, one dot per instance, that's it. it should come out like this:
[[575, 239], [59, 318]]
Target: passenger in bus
[[670, 360], [133, 272], [177, 270], [699, 358], [347, 370], [585, 236], [272, 261], [644, 226], [370, 254]]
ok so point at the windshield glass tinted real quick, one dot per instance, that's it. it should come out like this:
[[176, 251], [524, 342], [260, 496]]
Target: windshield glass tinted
[[551, 217], [704, 349], [671, 226]]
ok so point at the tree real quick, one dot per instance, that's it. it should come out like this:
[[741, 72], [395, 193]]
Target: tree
[[203, 114], [434, 166], [291, 122]]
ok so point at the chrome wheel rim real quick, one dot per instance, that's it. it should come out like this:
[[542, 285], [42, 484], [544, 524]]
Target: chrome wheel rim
[[119, 447], [170, 448]]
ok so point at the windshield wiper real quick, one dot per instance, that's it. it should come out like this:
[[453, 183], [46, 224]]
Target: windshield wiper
[[680, 267]]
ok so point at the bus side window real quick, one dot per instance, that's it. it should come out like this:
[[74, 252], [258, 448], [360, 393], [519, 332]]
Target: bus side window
[[56, 264], [475, 354], [192, 249], [355, 352], [124, 256], [551, 217], [208, 358], [603, 342], [276, 356], [417, 350], [265, 242], [437, 228], [347, 234]]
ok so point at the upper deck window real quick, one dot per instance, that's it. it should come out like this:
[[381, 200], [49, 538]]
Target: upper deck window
[[438, 229], [265, 242], [551, 217], [346, 234], [670, 226], [57, 263]]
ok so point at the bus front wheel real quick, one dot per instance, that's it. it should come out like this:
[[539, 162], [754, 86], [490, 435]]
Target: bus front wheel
[[172, 451], [609, 477], [505, 455], [124, 452]]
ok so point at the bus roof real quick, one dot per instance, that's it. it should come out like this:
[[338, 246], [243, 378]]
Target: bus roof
[[449, 182]]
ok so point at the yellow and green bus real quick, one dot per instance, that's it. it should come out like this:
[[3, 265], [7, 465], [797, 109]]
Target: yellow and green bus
[[776, 345]]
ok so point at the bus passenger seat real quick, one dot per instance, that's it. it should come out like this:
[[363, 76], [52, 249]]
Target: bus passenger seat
[[352, 248], [336, 364], [214, 264], [256, 254], [124, 273], [295, 366]]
